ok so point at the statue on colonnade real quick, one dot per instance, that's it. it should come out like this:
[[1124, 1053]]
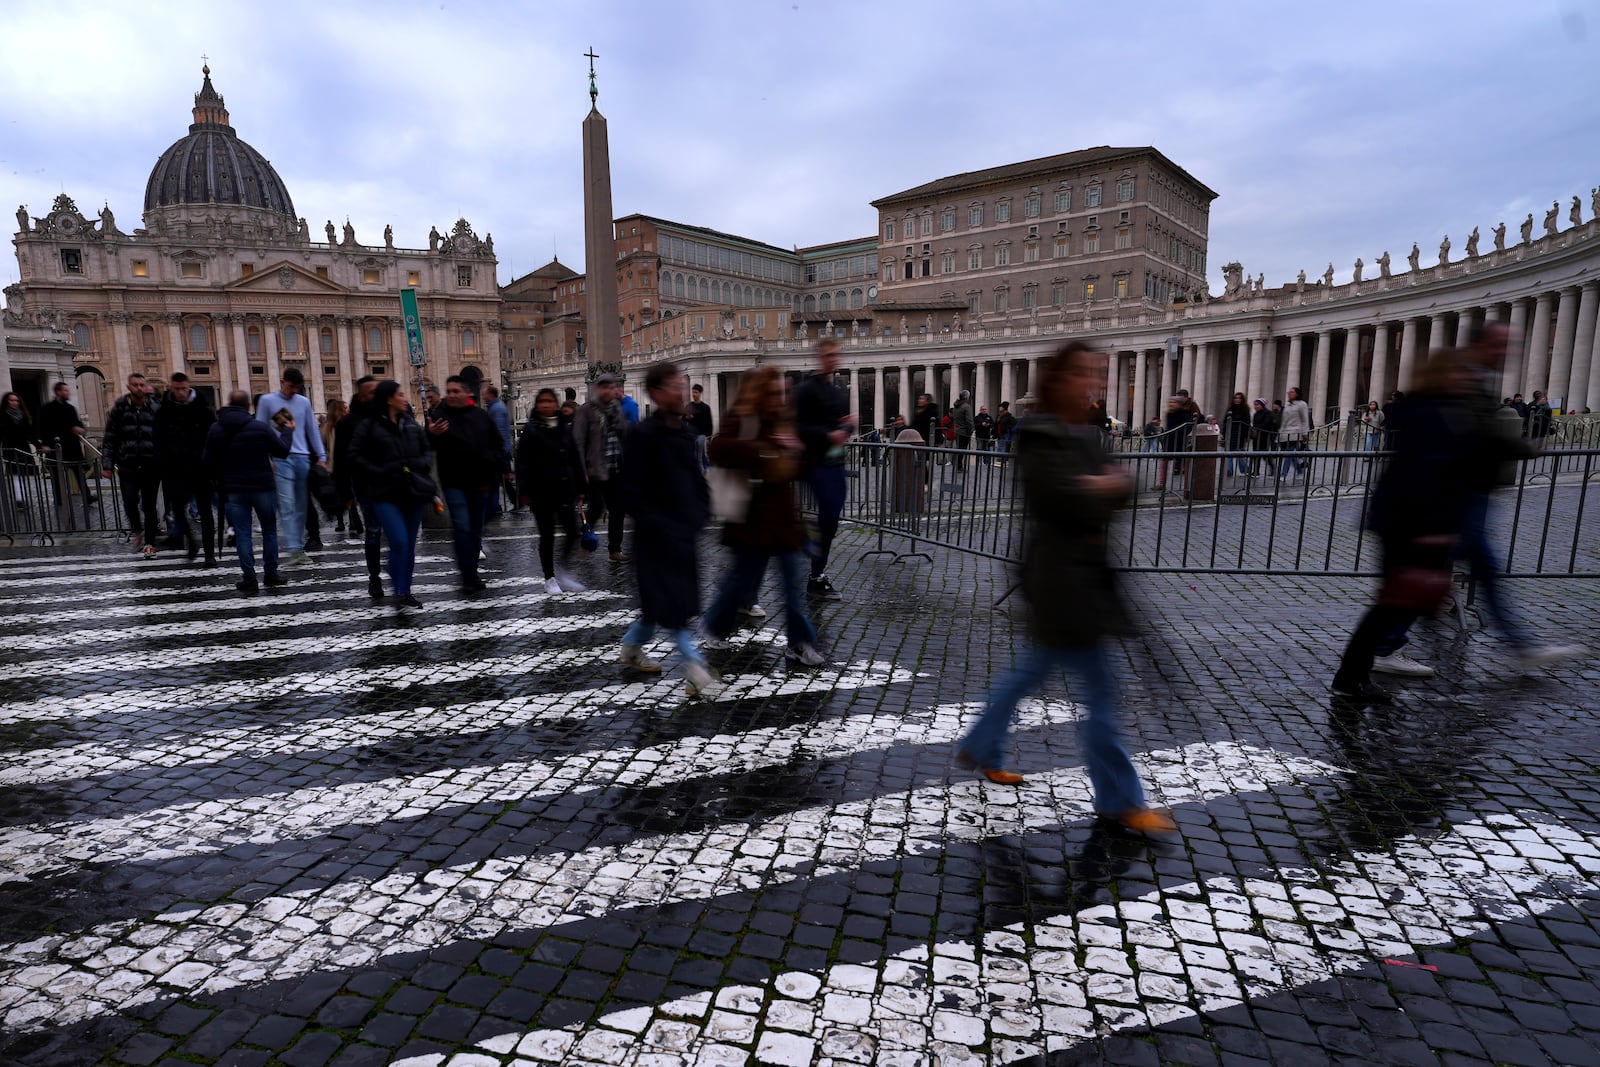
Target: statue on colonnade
[[1415, 258], [1327, 277], [1527, 228], [332, 238], [1383, 264], [1444, 251], [1500, 237], [1472, 244], [388, 237], [1575, 216], [1355, 275], [1550, 218]]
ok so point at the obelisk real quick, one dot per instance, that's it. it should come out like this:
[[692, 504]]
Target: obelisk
[[604, 335]]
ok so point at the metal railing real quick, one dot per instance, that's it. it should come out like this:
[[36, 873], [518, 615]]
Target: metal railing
[[46, 495]]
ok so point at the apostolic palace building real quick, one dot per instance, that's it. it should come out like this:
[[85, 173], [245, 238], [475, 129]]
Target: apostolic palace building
[[966, 282]]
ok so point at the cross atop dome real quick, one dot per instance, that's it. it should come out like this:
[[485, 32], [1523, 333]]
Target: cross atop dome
[[208, 105]]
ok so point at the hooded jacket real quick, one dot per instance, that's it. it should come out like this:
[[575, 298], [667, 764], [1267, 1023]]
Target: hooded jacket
[[239, 451]]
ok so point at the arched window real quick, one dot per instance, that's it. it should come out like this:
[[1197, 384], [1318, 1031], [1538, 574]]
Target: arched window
[[705, 291], [811, 303], [252, 339], [677, 286], [80, 335], [326, 341], [197, 337], [838, 299], [469, 341], [857, 298], [749, 296], [147, 338], [824, 302], [291, 339], [665, 283], [374, 339], [727, 292]]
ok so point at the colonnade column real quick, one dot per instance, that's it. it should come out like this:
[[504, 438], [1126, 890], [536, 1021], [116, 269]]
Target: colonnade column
[[1006, 380], [1294, 370], [1268, 359], [439, 356], [1321, 364], [980, 386], [1202, 376], [880, 401], [1033, 377], [1350, 367], [1241, 368], [1118, 397], [1140, 390], [269, 327], [1377, 381], [1186, 378], [219, 334], [1582, 347], [1561, 356], [1539, 344], [1592, 401], [1464, 323], [1407, 366], [1258, 355], [1511, 380], [175, 339]]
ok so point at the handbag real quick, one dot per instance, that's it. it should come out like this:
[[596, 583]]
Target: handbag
[[731, 488], [1419, 589], [319, 482], [419, 484]]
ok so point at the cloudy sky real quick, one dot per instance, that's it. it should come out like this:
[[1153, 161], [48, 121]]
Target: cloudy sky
[[1331, 132]]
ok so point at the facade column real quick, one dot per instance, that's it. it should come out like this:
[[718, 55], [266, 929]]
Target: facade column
[[341, 338], [1464, 323], [712, 381], [400, 354], [174, 323], [1378, 380], [1491, 314], [1582, 347], [1351, 367], [439, 356], [1516, 348], [1186, 368], [1294, 371], [1241, 367], [1407, 366], [219, 334], [1141, 392], [930, 384], [1033, 378], [1268, 358], [1437, 341], [269, 328], [121, 347], [241, 358], [1539, 346], [1561, 355], [1118, 394], [1320, 364], [316, 360]]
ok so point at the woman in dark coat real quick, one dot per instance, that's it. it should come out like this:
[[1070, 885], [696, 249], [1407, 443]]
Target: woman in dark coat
[[18, 440], [665, 491], [390, 456], [550, 480], [1236, 430], [1070, 489], [1263, 432], [758, 441]]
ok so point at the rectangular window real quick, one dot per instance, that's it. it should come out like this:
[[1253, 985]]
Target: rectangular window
[[329, 372], [1002, 211], [322, 272], [1055, 295], [370, 277], [927, 267], [1088, 290], [1030, 253], [927, 225], [811, 273], [1064, 200], [974, 258], [744, 322], [972, 305], [1091, 196], [72, 261], [1002, 301], [1029, 299], [909, 271], [947, 221], [1030, 207], [975, 215], [1002, 255], [380, 369], [1124, 239], [1119, 289], [1125, 190], [947, 263], [1122, 217], [1061, 248], [1091, 244], [699, 322], [463, 277], [246, 269], [258, 370], [761, 321], [141, 269], [888, 272], [191, 270], [825, 272]]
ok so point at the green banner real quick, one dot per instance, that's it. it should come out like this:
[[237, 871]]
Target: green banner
[[408, 305]]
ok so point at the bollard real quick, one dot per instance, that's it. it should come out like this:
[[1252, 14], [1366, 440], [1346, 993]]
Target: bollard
[[1203, 478], [909, 474]]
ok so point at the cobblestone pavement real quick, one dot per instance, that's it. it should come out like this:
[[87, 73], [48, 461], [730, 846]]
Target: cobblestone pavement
[[298, 829]]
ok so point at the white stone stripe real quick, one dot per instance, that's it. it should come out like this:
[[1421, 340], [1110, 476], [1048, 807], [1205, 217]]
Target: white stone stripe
[[137, 569], [352, 924], [1028, 992], [299, 621], [221, 594], [177, 660], [131, 705], [184, 829], [274, 738]]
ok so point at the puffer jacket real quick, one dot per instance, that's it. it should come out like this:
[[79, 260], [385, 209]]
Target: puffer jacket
[[131, 433]]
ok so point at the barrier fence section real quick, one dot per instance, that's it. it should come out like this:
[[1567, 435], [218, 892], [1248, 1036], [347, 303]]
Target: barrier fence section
[[45, 496], [1289, 513]]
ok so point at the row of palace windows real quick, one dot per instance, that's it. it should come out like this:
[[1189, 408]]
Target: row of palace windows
[[715, 257], [838, 301], [72, 263], [1060, 248], [1030, 295], [1032, 207], [706, 291]]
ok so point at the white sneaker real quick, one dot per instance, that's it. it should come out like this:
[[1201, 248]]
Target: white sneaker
[[633, 656], [1535, 656], [483, 554], [552, 586], [805, 655], [755, 611], [701, 681], [710, 640], [1396, 663], [569, 584]]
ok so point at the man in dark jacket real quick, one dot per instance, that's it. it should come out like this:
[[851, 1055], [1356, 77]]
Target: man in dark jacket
[[824, 423], [983, 425], [599, 430], [182, 424], [471, 457], [925, 420], [1005, 426], [670, 502], [700, 419], [61, 428], [130, 447], [362, 406], [239, 451], [962, 423]]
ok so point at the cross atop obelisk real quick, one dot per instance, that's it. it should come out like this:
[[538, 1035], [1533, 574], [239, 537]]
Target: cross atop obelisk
[[594, 90], [599, 242]]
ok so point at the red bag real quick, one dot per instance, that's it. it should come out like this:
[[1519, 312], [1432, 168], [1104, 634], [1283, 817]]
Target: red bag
[[1419, 589]]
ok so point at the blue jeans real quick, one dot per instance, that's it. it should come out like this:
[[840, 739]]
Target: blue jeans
[[643, 630], [740, 585], [827, 485], [292, 473], [1116, 783], [263, 503], [468, 510], [1289, 460], [400, 526]]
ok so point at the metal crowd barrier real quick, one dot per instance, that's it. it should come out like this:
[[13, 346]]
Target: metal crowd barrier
[[46, 496], [1289, 513]]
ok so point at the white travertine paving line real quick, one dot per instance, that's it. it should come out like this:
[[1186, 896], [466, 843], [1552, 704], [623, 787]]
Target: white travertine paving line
[[223, 594], [1023, 992], [131, 704], [174, 557], [299, 620], [286, 647], [292, 593], [59, 763], [353, 923], [138, 569]]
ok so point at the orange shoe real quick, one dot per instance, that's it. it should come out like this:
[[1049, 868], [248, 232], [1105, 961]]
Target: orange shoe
[[994, 774], [1147, 821]]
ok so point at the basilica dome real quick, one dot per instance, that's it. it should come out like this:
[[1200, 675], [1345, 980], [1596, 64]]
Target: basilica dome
[[212, 166]]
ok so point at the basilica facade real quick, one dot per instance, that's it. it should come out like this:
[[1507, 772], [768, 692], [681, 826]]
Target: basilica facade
[[224, 282]]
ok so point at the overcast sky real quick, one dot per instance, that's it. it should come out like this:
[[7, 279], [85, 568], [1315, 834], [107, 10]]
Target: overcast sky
[[1330, 132]]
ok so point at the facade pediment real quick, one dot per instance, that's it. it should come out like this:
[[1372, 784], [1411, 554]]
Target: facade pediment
[[283, 275]]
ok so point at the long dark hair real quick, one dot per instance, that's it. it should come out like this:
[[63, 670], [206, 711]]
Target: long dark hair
[[27, 420]]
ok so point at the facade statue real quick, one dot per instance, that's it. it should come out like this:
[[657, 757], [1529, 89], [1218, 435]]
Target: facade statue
[[1444, 251], [1356, 274], [1500, 238], [1575, 216], [1261, 282], [1327, 277], [108, 221], [488, 244], [903, 328], [1300, 282], [388, 237], [332, 239], [1415, 258], [1527, 228], [1472, 244], [1550, 218], [1594, 203], [22, 218], [1232, 279], [433, 238], [1383, 264], [349, 234]]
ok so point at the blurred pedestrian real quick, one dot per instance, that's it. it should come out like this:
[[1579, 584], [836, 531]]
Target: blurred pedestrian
[[351, 490], [1070, 490], [1005, 426], [1236, 433], [239, 453], [471, 458], [183, 423], [1263, 433], [962, 422], [295, 517], [130, 447], [700, 419], [19, 442], [600, 429], [500, 415], [1294, 431], [551, 482], [1372, 427], [61, 433], [390, 456], [825, 424], [983, 426]]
